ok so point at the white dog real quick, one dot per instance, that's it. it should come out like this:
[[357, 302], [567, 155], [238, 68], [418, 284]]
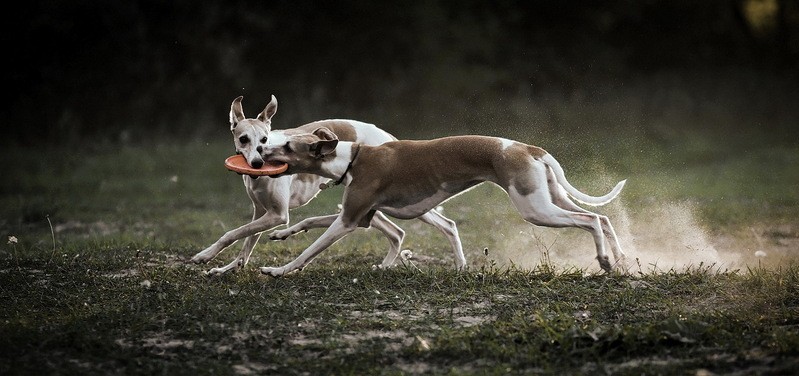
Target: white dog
[[272, 197], [406, 179]]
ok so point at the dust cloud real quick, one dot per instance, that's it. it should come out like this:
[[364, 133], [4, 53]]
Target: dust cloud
[[655, 239]]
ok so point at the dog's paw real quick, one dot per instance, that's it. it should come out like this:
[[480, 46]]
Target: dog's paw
[[621, 266], [206, 255], [234, 266], [200, 258], [604, 263], [215, 272], [274, 272], [280, 235]]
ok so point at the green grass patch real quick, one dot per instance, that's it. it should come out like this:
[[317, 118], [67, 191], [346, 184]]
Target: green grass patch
[[123, 310]]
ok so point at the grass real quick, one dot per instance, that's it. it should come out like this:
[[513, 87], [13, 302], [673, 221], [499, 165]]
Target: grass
[[121, 310], [95, 278]]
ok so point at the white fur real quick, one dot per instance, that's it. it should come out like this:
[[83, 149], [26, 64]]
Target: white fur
[[367, 133], [272, 198], [506, 143], [276, 138], [337, 167], [579, 196]]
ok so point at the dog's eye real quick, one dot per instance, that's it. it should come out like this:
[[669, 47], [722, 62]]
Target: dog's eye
[[244, 140], [263, 140]]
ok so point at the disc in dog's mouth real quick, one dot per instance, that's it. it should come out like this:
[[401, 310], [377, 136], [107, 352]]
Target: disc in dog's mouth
[[237, 163]]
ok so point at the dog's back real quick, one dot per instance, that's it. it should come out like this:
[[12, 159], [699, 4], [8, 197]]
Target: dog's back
[[351, 130], [474, 157]]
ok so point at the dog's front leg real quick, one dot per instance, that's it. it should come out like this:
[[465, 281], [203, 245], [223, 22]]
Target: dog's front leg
[[242, 259], [267, 221], [336, 231], [249, 243]]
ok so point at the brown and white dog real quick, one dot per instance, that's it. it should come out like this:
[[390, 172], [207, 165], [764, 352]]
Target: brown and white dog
[[272, 197], [406, 179]]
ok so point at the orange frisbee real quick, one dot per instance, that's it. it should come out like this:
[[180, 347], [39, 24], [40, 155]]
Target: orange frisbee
[[237, 163]]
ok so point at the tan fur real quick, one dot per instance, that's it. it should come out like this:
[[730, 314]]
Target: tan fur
[[387, 173], [406, 179], [343, 130]]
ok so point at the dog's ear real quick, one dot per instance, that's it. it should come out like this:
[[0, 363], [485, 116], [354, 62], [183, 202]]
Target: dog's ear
[[322, 148], [236, 112], [327, 143], [324, 134], [269, 111]]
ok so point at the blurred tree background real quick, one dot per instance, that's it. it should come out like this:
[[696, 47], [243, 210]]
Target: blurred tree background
[[143, 70]]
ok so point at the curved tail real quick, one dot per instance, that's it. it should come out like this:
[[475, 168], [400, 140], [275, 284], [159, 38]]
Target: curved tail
[[550, 161]]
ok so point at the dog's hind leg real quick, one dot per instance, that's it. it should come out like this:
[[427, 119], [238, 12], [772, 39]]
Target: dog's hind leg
[[538, 208], [393, 233], [304, 225], [561, 199], [450, 230]]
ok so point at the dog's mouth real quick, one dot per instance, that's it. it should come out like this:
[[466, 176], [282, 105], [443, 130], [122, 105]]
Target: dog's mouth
[[278, 162], [275, 160]]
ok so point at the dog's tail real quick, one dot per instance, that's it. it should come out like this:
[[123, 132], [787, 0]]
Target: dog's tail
[[550, 161]]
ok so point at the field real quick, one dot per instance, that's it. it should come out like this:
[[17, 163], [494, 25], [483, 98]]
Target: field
[[94, 277]]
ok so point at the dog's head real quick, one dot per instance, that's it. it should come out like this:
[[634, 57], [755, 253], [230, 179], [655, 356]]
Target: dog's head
[[251, 135], [303, 151]]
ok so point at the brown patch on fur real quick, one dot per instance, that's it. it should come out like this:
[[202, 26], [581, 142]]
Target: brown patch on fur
[[342, 129], [517, 158], [536, 152]]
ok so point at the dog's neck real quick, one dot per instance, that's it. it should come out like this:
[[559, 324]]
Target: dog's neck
[[337, 164]]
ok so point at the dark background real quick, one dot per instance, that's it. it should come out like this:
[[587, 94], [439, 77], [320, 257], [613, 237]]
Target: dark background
[[140, 70]]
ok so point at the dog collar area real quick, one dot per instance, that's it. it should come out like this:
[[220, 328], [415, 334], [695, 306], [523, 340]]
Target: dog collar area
[[331, 183]]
